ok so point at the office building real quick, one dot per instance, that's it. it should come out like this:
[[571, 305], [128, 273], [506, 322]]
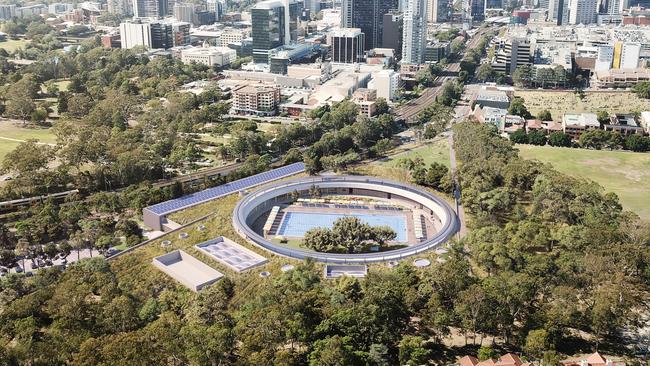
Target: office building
[[7, 11], [312, 5], [27, 11], [216, 7], [626, 55], [435, 52], [180, 33], [604, 58], [558, 11], [494, 4], [59, 8], [514, 52], [415, 32], [184, 12], [393, 32], [438, 11], [386, 82], [367, 15], [150, 8], [347, 45], [205, 17], [583, 11], [273, 26], [477, 9], [120, 7], [135, 34]]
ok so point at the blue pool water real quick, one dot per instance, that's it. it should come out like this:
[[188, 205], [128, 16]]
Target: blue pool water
[[296, 224]]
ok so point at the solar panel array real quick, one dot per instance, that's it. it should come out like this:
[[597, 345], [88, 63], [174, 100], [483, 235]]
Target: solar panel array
[[209, 194]]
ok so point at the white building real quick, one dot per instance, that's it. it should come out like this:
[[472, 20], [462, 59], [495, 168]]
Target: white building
[[630, 54], [415, 32], [209, 56], [347, 45], [135, 34], [604, 58], [386, 82], [583, 11]]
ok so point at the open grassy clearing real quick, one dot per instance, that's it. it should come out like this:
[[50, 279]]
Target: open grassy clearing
[[10, 131], [12, 45], [559, 103], [436, 151], [625, 173], [61, 84]]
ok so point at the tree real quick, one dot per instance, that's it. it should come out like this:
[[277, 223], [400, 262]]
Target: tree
[[536, 343], [332, 351], [486, 353], [558, 138], [523, 75], [519, 137], [602, 116], [411, 351], [637, 143], [537, 137], [518, 108], [348, 235], [485, 72], [382, 106], [545, 115], [20, 105], [642, 89]]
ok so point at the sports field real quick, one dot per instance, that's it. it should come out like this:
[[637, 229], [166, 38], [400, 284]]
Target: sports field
[[625, 173], [559, 103], [437, 151]]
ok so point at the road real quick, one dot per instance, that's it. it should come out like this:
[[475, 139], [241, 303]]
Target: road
[[413, 108]]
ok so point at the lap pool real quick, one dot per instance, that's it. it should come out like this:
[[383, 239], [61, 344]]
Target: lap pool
[[296, 224]]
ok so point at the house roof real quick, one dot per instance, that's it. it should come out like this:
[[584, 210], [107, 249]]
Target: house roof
[[596, 359], [509, 359], [488, 362], [468, 361]]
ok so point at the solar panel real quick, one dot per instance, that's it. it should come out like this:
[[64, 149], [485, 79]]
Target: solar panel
[[176, 204]]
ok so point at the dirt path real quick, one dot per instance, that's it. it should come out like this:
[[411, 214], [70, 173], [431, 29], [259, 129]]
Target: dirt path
[[17, 140]]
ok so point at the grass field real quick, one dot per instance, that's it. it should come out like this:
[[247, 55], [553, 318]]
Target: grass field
[[559, 103], [10, 131], [11, 45], [62, 84], [625, 173], [437, 151]]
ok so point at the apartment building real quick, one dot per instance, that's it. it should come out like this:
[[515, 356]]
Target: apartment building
[[259, 100]]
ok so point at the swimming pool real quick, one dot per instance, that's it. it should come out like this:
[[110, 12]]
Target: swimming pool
[[296, 224]]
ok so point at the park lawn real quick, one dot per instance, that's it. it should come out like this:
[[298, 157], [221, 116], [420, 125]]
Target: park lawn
[[12, 45], [6, 147], [436, 151], [559, 103], [11, 130], [62, 84], [625, 173]]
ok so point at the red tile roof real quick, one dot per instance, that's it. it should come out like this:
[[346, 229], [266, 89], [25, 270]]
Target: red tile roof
[[468, 361]]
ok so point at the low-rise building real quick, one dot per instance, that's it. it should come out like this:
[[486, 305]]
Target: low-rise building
[[575, 124], [625, 124], [209, 56], [620, 78], [492, 98], [259, 100], [366, 99], [490, 115], [386, 82]]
